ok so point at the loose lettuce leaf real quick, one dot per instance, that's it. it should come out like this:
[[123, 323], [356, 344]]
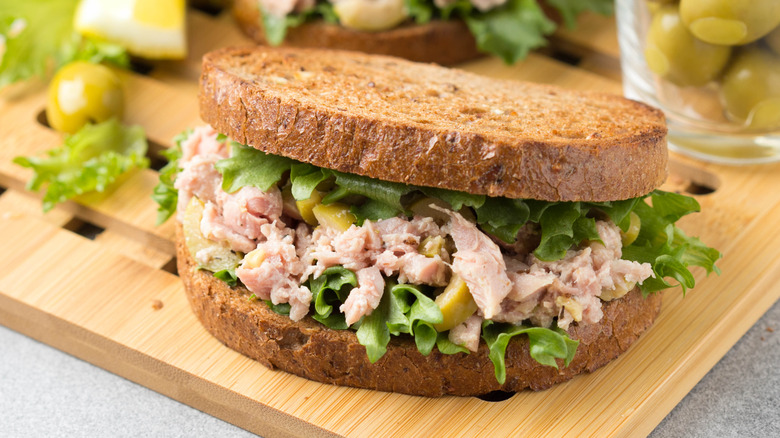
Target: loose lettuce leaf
[[164, 194], [90, 160], [37, 36], [546, 345], [249, 167], [36, 33], [457, 200]]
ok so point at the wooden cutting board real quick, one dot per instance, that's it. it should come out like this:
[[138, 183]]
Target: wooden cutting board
[[113, 299]]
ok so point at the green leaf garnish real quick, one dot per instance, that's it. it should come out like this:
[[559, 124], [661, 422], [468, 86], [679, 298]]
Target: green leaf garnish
[[546, 345], [164, 194], [37, 37], [90, 160]]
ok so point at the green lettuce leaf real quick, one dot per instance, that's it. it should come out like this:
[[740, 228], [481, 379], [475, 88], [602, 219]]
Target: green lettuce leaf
[[373, 332], [546, 345], [164, 194], [413, 312], [275, 28], [38, 37], [90, 160], [446, 346], [667, 248], [511, 31], [229, 276], [570, 9], [328, 290], [247, 166], [281, 308]]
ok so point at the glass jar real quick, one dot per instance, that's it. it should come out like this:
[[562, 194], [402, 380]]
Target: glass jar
[[713, 66]]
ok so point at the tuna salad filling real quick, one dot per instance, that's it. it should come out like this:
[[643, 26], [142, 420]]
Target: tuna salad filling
[[447, 268]]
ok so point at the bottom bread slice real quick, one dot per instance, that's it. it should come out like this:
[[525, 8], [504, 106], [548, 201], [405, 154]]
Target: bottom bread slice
[[309, 349]]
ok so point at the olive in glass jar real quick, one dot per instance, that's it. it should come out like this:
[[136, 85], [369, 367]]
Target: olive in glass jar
[[730, 22], [750, 89], [674, 54], [81, 93]]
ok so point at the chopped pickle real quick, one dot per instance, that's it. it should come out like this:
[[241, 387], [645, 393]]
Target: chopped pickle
[[570, 305], [289, 204], [621, 288], [629, 236], [335, 215], [456, 304], [431, 246], [422, 207], [306, 207], [210, 255]]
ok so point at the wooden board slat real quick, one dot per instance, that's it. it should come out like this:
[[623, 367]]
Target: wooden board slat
[[109, 300]]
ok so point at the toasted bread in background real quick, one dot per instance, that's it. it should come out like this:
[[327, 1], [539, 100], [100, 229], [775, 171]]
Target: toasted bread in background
[[442, 42], [427, 125]]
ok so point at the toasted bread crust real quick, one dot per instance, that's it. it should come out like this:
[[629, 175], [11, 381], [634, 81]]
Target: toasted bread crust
[[426, 125], [442, 42], [311, 350]]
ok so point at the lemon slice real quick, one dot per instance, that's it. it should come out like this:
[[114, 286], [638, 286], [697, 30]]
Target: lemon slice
[[152, 29]]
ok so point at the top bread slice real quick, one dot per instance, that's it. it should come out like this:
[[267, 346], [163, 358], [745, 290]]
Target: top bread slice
[[427, 125], [442, 42]]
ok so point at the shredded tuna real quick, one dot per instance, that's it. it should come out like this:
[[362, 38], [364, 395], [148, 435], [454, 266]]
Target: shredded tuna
[[363, 299], [508, 286], [467, 333], [277, 277], [480, 264]]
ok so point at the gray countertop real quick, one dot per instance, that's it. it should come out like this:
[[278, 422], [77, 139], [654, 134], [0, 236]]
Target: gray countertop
[[44, 392]]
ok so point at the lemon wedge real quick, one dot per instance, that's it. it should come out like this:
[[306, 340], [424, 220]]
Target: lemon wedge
[[153, 29]]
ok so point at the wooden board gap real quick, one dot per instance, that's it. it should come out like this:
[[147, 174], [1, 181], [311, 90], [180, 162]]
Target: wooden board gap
[[42, 119], [209, 7], [565, 57], [83, 228], [496, 396], [156, 160], [171, 267], [141, 66]]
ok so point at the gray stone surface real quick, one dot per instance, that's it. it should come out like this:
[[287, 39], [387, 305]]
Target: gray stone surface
[[44, 392]]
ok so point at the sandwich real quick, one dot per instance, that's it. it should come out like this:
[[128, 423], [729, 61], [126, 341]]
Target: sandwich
[[441, 31], [367, 221]]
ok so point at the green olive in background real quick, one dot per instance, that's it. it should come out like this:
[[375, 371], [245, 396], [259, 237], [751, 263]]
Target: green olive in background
[[773, 40], [751, 89], [83, 92], [730, 22], [673, 53]]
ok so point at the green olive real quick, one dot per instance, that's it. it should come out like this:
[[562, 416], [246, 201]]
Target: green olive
[[751, 89], [730, 22], [676, 55], [773, 40], [83, 92]]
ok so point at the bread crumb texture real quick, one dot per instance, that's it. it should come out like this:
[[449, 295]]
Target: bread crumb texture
[[427, 125]]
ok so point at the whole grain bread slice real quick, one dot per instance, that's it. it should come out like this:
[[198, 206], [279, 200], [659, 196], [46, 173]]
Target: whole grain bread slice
[[442, 42], [427, 125], [311, 350]]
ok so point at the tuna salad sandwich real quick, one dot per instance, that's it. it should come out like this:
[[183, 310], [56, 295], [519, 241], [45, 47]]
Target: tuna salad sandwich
[[441, 31], [368, 221]]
